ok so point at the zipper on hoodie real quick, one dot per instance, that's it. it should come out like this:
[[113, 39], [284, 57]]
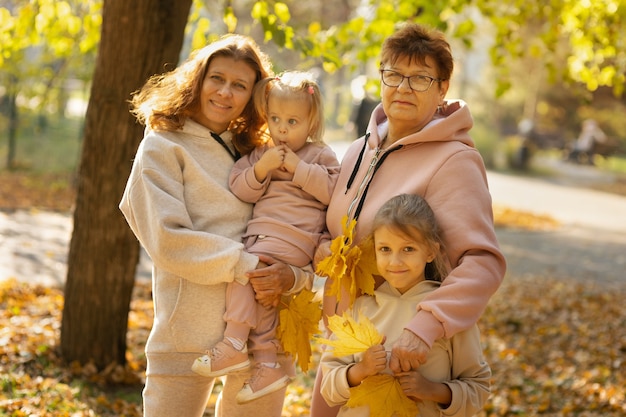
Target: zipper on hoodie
[[365, 183], [375, 163]]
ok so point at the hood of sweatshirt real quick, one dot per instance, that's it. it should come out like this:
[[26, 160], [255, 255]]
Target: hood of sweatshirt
[[451, 123], [409, 171]]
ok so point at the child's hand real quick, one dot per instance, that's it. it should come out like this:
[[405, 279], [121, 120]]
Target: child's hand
[[291, 160], [419, 388], [374, 360], [411, 383], [270, 160]]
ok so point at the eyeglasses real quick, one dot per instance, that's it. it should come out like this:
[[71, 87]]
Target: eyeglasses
[[417, 82]]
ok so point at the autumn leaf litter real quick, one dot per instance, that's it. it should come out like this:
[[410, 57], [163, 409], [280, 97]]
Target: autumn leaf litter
[[557, 347]]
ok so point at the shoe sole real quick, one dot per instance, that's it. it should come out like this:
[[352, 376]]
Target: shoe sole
[[199, 368], [275, 386]]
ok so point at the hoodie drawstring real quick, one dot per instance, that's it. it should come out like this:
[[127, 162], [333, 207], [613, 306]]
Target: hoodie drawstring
[[358, 163], [235, 155], [378, 165]]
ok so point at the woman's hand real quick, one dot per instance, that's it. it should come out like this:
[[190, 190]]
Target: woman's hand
[[408, 352], [271, 281]]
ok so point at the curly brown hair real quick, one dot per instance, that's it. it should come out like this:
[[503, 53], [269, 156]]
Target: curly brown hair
[[167, 100]]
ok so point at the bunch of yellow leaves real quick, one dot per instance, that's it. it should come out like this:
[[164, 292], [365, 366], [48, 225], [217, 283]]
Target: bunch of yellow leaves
[[381, 392], [350, 267], [383, 395], [299, 321]]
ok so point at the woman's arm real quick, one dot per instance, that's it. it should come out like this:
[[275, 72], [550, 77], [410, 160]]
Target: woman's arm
[[462, 205]]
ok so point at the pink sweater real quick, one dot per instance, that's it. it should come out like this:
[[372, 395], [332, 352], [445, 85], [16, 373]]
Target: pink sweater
[[441, 164], [289, 206]]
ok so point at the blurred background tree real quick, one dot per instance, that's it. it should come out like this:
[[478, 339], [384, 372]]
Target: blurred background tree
[[554, 63], [47, 47]]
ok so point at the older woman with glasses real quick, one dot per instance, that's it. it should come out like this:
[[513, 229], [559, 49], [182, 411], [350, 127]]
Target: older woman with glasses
[[417, 142]]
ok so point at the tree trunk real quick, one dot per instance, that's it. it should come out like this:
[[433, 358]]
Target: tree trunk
[[138, 38], [13, 123]]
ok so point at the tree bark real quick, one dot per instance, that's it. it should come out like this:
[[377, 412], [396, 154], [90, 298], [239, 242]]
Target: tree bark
[[138, 38], [13, 123]]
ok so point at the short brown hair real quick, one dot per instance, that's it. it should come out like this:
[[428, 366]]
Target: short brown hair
[[417, 42]]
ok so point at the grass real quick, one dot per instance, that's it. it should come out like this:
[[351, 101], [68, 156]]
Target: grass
[[44, 145]]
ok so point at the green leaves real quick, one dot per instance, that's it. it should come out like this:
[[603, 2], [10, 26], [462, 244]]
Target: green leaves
[[59, 38], [275, 23]]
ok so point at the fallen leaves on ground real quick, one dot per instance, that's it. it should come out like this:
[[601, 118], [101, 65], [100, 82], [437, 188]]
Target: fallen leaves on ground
[[35, 382], [507, 217], [556, 348], [21, 190]]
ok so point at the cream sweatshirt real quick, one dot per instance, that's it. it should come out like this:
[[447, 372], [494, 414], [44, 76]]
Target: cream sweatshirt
[[457, 362]]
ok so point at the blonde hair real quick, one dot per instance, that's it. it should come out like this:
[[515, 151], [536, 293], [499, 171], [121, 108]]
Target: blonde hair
[[293, 85], [167, 100], [411, 215]]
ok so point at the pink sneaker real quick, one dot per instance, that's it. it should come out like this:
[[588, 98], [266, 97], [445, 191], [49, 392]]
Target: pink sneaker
[[221, 360], [264, 380]]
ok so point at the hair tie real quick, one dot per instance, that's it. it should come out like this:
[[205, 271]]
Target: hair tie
[[311, 90]]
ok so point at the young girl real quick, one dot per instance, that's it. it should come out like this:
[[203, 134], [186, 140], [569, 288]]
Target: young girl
[[455, 380], [290, 180]]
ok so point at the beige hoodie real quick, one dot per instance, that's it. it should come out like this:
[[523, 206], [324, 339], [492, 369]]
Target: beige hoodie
[[178, 204]]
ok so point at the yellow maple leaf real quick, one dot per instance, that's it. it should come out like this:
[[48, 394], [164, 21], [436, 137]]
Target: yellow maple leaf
[[350, 268], [365, 268], [334, 265], [298, 323], [351, 336], [384, 397]]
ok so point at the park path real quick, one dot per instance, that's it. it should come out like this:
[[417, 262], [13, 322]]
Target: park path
[[590, 242]]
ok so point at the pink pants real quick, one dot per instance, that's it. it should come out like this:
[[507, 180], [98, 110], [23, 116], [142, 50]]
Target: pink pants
[[245, 318]]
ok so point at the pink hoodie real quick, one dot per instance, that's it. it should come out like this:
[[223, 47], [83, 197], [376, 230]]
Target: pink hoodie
[[441, 164]]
